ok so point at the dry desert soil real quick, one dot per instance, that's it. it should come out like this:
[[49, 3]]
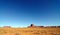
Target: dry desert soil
[[29, 31]]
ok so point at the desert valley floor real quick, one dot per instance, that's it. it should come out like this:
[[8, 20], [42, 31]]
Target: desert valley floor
[[29, 31]]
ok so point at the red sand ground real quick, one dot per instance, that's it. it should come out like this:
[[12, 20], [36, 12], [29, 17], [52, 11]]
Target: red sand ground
[[29, 31]]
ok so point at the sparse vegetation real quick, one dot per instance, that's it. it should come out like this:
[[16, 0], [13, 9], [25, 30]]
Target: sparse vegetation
[[30, 31]]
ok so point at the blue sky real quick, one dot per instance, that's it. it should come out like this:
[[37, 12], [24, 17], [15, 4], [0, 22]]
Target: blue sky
[[21, 13]]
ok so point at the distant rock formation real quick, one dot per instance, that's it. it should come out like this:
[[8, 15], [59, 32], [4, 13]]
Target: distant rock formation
[[33, 26], [58, 26], [7, 27], [51, 26]]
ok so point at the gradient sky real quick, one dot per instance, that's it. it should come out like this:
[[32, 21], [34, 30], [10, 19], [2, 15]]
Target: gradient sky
[[21, 13]]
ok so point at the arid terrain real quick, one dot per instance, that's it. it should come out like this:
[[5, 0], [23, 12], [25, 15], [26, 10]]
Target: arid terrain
[[30, 31]]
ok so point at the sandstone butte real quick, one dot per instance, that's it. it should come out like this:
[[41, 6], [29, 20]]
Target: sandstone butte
[[30, 30]]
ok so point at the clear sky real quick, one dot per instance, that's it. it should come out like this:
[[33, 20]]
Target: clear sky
[[20, 13]]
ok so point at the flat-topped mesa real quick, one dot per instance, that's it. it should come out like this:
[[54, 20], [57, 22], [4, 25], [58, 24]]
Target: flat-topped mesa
[[6, 26], [58, 26], [51, 26], [33, 26]]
